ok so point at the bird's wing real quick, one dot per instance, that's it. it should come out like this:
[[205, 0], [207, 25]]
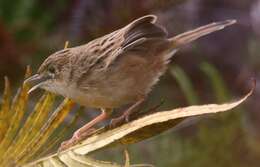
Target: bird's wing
[[139, 35], [141, 31]]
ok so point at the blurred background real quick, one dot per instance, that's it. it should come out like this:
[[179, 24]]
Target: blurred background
[[214, 69]]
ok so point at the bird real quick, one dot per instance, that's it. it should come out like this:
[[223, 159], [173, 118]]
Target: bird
[[115, 69]]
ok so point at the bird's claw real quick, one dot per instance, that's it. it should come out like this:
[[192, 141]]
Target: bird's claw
[[76, 138], [115, 122], [67, 144]]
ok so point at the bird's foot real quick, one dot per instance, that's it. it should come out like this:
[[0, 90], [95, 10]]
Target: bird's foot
[[132, 110], [130, 115], [115, 122], [76, 138]]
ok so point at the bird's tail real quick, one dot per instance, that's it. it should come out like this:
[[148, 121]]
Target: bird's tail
[[189, 36], [192, 35]]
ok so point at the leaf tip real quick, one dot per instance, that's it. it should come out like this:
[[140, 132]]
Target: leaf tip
[[66, 45], [253, 86], [7, 82], [28, 71]]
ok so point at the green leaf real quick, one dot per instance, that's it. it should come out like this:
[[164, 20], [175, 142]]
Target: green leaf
[[218, 85], [185, 84]]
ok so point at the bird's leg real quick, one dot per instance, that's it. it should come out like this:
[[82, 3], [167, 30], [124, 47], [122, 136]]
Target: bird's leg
[[86, 130], [125, 116]]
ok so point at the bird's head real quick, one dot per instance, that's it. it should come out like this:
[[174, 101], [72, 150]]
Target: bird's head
[[52, 74]]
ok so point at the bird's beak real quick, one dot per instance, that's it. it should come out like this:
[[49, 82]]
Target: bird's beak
[[36, 81]]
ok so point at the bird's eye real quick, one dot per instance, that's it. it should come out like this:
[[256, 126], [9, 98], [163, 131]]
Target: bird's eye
[[51, 70]]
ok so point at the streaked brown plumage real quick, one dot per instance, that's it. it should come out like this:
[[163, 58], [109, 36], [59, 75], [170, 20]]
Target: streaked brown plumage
[[116, 69]]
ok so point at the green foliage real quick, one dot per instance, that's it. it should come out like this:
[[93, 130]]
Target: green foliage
[[220, 145], [186, 85], [218, 85]]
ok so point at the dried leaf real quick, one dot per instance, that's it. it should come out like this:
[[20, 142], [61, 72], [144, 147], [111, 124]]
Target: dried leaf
[[17, 112], [58, 137], [127, 158], [23, 134], [73, 160], [57, 117], [4, 113], [131, 132], [66, 45], [31, 127]]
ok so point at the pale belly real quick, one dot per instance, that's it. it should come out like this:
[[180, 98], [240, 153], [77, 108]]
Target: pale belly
[[106, 96]]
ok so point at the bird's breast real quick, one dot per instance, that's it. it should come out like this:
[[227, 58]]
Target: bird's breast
[[96, 99]]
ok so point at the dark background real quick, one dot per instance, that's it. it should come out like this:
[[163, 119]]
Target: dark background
[[214, 69]]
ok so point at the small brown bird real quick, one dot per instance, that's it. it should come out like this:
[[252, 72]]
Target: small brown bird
[[116, 69]]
